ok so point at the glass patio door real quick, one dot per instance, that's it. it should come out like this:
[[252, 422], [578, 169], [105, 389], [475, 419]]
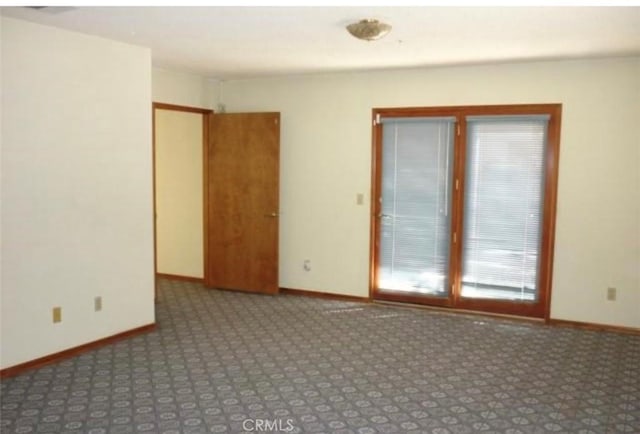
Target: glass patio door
[[464, 208], [503, 204], [415, 211]]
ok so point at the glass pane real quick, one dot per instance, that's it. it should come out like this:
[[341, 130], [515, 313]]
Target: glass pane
[[417, 165], [503, 208]]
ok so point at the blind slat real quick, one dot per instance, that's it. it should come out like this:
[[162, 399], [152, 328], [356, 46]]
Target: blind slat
[[418, 120], [511, 118]]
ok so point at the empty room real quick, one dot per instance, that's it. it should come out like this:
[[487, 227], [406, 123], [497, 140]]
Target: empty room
[[320, 219]]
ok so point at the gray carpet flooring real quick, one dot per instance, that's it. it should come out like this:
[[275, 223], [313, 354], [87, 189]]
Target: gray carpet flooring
[[230, 362]]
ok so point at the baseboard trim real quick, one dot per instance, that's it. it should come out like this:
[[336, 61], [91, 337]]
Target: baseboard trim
[[594, 326], [178, 277], [550, 322], [12, 371], [325, 295]]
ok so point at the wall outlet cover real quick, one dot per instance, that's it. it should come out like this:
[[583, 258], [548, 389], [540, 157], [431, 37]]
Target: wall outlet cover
[[57, 314]]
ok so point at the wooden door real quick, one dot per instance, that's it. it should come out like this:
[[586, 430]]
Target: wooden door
[[242, 202]]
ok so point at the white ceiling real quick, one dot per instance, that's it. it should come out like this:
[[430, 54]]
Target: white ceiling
[[237, 42]]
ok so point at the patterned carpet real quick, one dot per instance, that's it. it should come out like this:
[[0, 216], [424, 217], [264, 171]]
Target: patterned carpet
[[232, 363]]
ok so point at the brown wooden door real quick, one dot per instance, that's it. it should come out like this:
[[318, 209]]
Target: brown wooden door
[[242, 204]]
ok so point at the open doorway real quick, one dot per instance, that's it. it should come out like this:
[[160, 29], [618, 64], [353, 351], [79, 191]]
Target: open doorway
[[179, 137]]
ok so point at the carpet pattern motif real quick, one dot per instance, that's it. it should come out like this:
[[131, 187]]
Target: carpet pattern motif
[[227, 362]]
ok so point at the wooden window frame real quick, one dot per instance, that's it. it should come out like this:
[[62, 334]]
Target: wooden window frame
[[539, 309]]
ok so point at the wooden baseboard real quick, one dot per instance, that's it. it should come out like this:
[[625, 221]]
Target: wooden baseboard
[[72, 352], [325, 295], [593, 326], [550, 322], [182, 278]]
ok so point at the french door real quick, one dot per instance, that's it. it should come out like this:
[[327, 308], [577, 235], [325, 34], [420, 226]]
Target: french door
[[464, 206]]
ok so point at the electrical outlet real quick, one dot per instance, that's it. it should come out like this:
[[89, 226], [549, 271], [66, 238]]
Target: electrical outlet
[[57, 314], [611, 294], [97, 304], [359, 199], [306, 266]]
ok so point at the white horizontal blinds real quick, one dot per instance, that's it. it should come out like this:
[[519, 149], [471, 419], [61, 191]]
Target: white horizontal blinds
[[504, 187], [417, 165]]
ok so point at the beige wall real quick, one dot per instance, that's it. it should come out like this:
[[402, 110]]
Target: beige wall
[[326, 159], [184, 89], [179, 193], [76, 189]]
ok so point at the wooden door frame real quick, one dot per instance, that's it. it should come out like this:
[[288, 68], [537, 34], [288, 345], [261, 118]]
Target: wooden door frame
[[545, 270], [206, 113]]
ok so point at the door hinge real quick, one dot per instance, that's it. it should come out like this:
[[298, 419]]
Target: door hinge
[[455, 237], [376, 120], [458, 129], [457, 184]]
